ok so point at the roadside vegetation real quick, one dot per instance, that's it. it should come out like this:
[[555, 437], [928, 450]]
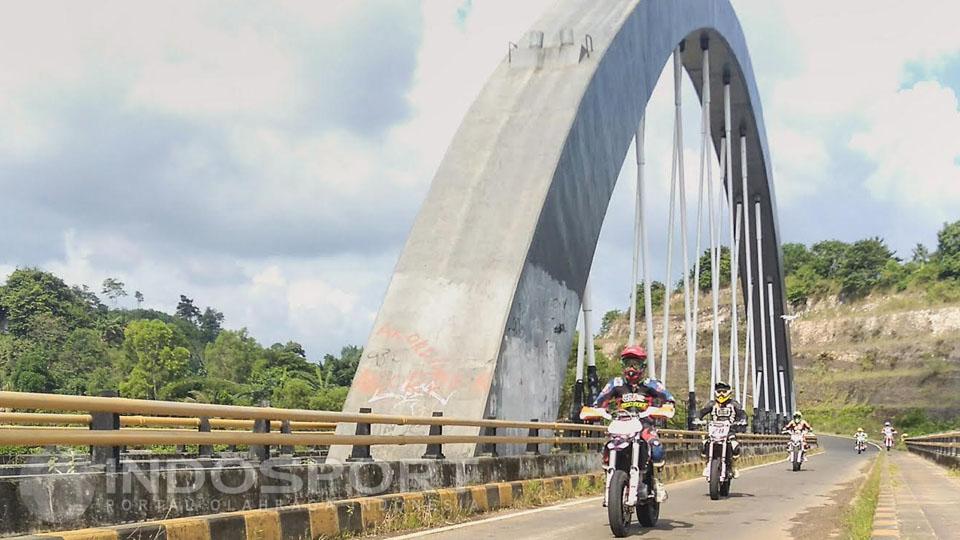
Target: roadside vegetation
[[858, 520], [72, 340]]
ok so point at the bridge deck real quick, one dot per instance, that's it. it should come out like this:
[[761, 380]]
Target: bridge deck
[[926, 499], [766, 502]]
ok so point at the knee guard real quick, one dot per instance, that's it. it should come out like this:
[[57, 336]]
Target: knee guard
[[735, 448], [657, 452]]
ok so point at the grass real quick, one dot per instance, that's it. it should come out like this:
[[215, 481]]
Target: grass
[[858, 520]]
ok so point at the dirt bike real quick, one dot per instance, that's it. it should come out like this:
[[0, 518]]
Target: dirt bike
[[719, 474], [861, 443], [797, 447], [888, 442], [631, 482]]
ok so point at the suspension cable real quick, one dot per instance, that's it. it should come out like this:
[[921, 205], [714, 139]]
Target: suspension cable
[[636, 243], [765, 383], [683, 222], [714, 272], [751, 347], [734, 370], [676, 174], [644, 248], [773, 349], [704, 141]]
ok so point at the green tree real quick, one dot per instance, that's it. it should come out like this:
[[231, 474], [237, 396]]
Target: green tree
[[862, 267], [113, 289], [330, 398], [795, 256], [157, 360], [948, 250], [29, 372], [827, 257], [705, 270], [339, 371], [82, 353], [139, 297], [30, 295], [210, 324], [802, 285], [187, 311], [920, 255], [232, 355], [609, 318], [293, 394], [657, 293]]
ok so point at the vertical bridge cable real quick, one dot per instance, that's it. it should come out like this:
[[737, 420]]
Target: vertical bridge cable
[[636, 246], [644, 248], [764, 379], [745, 197], [704, 145], [777, 393], [714, 262], [671, 219], [734, 370], [683, 221], [735, 337]]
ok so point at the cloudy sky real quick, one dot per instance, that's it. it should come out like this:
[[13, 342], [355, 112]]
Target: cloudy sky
[[268, 159]]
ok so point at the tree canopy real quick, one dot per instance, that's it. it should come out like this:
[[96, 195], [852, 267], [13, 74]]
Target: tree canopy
[[63, 339]]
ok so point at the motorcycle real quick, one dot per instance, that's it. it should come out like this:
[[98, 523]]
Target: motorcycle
[[861, 443], [631, 482], [719, 474], [888, 441], [797, 447]]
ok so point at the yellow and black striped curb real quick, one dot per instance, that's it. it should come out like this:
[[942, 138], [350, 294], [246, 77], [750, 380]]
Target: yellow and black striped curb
[[332, 519], [371, 514]]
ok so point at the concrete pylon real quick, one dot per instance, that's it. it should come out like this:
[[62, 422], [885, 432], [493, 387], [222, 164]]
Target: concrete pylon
[[479, 317]]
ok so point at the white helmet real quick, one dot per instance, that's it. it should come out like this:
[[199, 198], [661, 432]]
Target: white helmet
[[886, 423]]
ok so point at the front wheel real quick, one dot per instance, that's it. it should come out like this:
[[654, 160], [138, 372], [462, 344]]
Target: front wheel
[[715, 479], [617, 511], [796, 466]]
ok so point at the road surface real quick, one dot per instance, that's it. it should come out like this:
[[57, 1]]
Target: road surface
[[765, 502]]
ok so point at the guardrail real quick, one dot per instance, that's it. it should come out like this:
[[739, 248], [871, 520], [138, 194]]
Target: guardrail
[[113, 422], [944, 448]]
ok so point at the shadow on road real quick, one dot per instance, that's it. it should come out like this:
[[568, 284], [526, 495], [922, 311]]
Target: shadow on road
[[662, 525]]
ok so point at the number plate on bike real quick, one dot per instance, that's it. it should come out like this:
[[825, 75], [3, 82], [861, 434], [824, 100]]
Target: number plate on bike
[[718, 430]]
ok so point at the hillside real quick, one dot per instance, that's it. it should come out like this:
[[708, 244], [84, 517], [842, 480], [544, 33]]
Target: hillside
[[892, 355]]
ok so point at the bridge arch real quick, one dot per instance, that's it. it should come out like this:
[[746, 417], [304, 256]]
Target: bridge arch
[[479, 317]]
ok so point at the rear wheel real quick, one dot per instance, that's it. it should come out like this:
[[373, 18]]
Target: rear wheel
[[725, 488], [715, 479], [796, 461], [617, 511], [649, 513]]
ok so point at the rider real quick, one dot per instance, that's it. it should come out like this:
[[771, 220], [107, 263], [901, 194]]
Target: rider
[[860, 435], [724, 407], [633, 392], [888, 431], [798, 423]]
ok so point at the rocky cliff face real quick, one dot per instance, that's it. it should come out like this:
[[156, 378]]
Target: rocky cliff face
[[888, 353]]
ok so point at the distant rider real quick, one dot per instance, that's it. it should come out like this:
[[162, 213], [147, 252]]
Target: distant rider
[[632, 392], [724, 407], [888, 433], [798, 423], [860, 436]]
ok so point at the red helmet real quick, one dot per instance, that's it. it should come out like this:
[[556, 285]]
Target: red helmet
[[634, 360]]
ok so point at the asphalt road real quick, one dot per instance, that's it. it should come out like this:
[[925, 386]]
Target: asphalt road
[[765, 502]]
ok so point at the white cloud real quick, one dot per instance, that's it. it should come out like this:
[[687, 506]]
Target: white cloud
[[911, 137]]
